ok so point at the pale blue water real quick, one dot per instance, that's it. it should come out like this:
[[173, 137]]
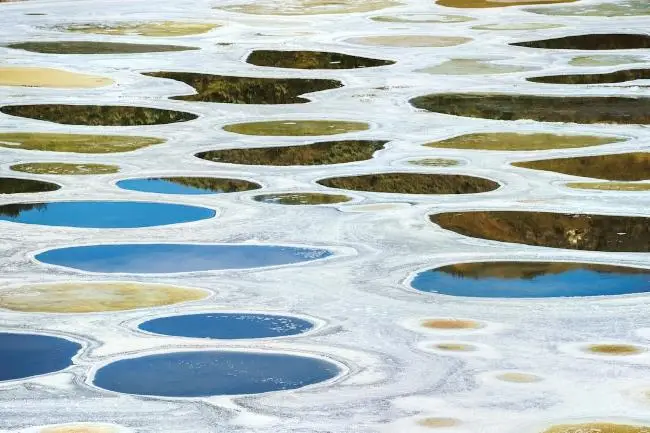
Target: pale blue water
[[24, 355], [103, 214], [167, 258], [227, 325], [570, 283], [205, 373]]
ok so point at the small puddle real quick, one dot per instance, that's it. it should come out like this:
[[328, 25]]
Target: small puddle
[[98, 115], [532, 280], [495, 3], [435, 162], [622, 8], [102, 214], [454, 347], [247, 90], [12, 185], [75, 143], [327, 152], [450, 324], [48, 77], [518, 26], [597, 41], [409, 41], [61, 168], [422, 18], [570, 109], [472, 67], [80, 428], [93, 297], [604, 60], [611, 349], [310, 7], [600, 427], [172, 258], [623, 166], [312, 60], [286, 128], [206, 373], [438, 422], [88, 47], [586, 232], [519, 378], [187, 185], [413, 183], [608, 77], [610, 186], [151, 29], [227, 326], [512, 141], [26, 355], [302, 198]]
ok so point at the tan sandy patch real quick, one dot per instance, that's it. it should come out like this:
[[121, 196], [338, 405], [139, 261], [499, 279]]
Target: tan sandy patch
[[438, 422], [450, 324], [90, 297], [410, 41], [519, 378], [47, 77]]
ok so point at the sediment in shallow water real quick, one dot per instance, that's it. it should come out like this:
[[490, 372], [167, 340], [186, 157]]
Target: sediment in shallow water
[[409, 41], [98, 115], [435, 162], [571, 109], [49, 77], [513, 141], [77, 143], [312, 60], [495, 3], [91, 47], [310, 7], [296, 127], [614, 349], [62, 168], [623, 166], [247, 90], [604, 60], [151, 29], [302, 198], [413, 183], [596, 41], [610, 186], [89, 297], [472, 67], [587, 232], [609, 77], [450, 324], [622, 8], [327, 152]]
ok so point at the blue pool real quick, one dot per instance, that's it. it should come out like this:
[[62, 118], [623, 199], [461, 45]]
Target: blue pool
[[187, 185], [532, 280], [227, 325], [102, 214], [206, 373], [169, 258], [25, 355]]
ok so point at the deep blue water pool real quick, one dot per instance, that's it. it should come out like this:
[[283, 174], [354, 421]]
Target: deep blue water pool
[[532, 280], [206, 373], [227, 325], [25, 355], [102, 214], [169, 258]]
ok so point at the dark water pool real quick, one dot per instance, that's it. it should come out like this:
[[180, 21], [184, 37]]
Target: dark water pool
[[25, 355], [169, 258], [532, 280], [102, 214], [227, 326], [187, 185], [205, 373]]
